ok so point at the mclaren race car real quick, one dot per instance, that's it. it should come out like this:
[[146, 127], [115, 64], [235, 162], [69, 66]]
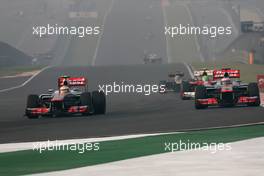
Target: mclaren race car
[[201, 77], [174, 82], [71, 98], [227, 91]]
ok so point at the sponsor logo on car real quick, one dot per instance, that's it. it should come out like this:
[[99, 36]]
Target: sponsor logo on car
[[260, 79]]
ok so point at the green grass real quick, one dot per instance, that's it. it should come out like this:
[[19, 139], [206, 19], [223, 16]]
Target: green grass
[[248, 72], [28, 162]]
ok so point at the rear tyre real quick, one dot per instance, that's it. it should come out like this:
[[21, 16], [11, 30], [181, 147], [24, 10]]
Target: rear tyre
[[200, 93], [185, 87], [253, 91], [177, 88], [99, 102], [32, 102], [86, 100]]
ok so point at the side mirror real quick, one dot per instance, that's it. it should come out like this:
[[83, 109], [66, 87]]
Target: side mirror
[[213, 82], [76, 90], [239, 82], [51, 90]]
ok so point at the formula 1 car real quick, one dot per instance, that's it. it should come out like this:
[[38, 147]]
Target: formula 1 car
[[71, 98], [226, 92], [174, 83], [187, 91], [152, 59]]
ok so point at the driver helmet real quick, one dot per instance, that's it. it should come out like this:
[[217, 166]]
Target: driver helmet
[[226, 75], [226, 79], [65, 88], [205, 76]]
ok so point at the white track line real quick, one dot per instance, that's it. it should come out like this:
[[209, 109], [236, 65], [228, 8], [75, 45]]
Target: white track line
[[195, 37], [198, 48], [189, 69], [167, 42], [241, 158], [261, 14], [26, 82], [229, 18], [12, 147], [102, 32]]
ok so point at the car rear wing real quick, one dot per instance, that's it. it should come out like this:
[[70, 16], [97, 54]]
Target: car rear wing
[[172, 75], [72, 81], [219, 74], [199, 73]]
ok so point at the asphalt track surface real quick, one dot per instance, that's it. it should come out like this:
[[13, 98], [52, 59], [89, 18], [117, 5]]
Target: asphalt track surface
[[131, 28], [212, 14], [11, 82], [127, 113]]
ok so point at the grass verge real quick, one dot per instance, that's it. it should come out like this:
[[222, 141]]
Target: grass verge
[[29, 162]]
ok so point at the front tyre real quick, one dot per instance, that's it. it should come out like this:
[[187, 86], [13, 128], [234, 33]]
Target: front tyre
[[86, 100], [200, 93], [253, 91], [32, 102], [185, 87], [99, 102]]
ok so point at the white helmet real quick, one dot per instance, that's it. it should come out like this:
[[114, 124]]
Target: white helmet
[[64, 89]]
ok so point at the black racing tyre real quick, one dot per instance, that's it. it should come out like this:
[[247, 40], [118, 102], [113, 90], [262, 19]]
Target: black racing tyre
[[200, 93], [177, 88], [86, 100], [253, 91], [185, 87], [32, 102], [99, 102]]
